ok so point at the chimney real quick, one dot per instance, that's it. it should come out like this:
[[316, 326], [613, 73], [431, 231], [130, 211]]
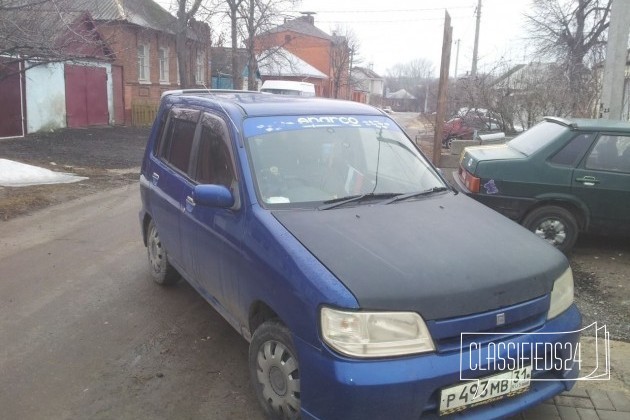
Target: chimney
[[309, 17]]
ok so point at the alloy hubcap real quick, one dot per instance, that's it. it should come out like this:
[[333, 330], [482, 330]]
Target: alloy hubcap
[[552, 230]]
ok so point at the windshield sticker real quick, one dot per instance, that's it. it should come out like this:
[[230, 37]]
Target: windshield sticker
[[263, 125], [491, 187], [277, 200]]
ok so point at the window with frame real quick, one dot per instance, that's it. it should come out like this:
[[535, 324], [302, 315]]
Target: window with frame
[[573, 151], [201, 68], [611, 153], [214, 162], [163, 65], [143, 63]]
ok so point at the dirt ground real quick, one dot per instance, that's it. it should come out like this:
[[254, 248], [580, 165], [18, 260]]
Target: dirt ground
[[111, 157], [108, 156]]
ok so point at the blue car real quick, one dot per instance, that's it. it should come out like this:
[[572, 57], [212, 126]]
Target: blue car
[[367, 287]]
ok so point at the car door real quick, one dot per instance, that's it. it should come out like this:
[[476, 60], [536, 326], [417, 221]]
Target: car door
[[168, 170], [214, 234], [602, 182]]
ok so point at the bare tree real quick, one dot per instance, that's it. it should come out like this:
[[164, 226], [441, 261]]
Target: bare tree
[[343, 52], [186, 11], [233, 14], [414, 76], [572, 32], [45, 31], [259, 16]]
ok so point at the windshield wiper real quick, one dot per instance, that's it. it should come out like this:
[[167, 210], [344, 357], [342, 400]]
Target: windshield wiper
[[337, 202], [402, 197]]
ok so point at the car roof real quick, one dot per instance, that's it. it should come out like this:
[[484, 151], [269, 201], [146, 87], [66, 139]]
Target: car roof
[[257, 104], [592, 124]]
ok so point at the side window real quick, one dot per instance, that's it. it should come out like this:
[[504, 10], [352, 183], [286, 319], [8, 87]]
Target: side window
[[611, 153], [214, 162], [160, 134], [178, 141], [573, 151]]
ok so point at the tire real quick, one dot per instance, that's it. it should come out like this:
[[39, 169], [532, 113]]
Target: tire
[[162, 272], [275, 371], [554, 224]]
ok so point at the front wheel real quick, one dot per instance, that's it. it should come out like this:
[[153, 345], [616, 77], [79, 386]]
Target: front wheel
[[554, 224], [275, 371]]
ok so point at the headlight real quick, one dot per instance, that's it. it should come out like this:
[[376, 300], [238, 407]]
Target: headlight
[[562, 294], [375, 334]]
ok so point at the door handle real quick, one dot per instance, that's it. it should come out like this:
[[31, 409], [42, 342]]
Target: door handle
[[190, 203], [588, 180], [156, 178]]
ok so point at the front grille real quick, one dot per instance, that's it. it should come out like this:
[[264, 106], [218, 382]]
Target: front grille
[[521, 318]]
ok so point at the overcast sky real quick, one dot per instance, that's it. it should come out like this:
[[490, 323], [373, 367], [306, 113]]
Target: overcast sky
[[398, 31]]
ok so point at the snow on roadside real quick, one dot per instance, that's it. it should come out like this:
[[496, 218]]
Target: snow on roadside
[[15, 174]]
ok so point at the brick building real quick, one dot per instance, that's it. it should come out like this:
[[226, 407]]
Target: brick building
[[302, 38], [142, 36]]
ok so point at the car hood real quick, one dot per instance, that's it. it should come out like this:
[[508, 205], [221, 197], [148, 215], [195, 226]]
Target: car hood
[[474, 154], [441, 256]]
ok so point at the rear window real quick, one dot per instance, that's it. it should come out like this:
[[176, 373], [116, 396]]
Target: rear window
[[537, 137]]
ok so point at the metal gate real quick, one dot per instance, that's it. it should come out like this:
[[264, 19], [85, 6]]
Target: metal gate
[[12, 100], [86, 96]]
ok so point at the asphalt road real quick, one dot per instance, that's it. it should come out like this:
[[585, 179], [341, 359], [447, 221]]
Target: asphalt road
[[84, 333]]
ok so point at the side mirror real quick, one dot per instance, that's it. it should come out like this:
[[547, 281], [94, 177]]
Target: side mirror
[[213, 196]]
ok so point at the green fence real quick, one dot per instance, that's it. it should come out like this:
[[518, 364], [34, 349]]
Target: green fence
[[143, 114]]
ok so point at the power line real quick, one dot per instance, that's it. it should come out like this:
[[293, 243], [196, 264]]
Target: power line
[[396, 10], [392, 20]]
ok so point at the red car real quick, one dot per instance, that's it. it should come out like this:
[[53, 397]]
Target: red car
[[463, 128]]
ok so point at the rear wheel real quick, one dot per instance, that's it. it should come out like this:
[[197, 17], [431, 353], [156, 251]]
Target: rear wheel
[[162, 272], [554, 224], [275, 371]]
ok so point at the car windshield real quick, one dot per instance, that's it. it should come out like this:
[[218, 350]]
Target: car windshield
[[537, 137], [306, 161]]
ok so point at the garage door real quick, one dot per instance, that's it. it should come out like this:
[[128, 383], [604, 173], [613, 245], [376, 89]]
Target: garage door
[[11, 105], [86, 96]]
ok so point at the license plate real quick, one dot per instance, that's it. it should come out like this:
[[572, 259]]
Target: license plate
[[485, 390]]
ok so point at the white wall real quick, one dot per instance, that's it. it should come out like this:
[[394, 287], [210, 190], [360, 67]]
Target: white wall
[[45, 98]]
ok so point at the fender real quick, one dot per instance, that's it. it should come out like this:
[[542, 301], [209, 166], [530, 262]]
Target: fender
[[566, 198]]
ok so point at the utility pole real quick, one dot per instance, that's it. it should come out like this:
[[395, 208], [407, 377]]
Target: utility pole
[[456, 58], [441, 105], [350, 82], [426, 94], [616, 54], [473, 71]]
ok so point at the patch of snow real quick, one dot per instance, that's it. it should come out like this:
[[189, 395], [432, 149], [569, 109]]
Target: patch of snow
[[15, 174]]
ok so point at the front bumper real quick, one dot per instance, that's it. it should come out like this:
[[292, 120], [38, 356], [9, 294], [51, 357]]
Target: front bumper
[[334, 387]]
